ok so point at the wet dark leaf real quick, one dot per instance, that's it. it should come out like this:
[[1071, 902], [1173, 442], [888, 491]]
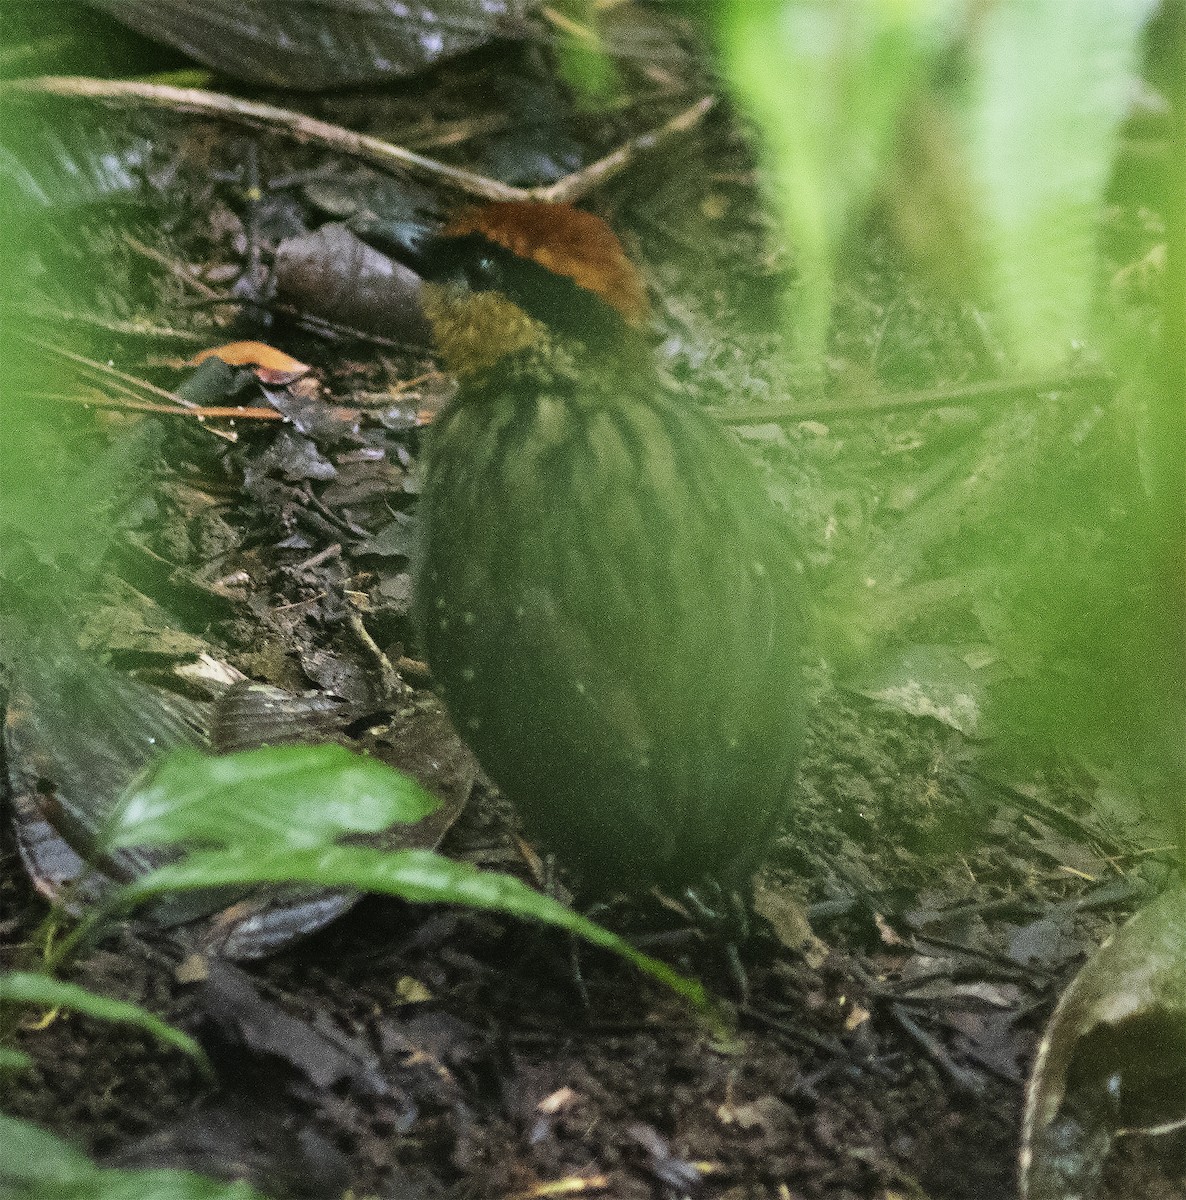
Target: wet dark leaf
[[1113, 1058], [256, 714], [397, 216], [312, 44], [294, 458], [394, 540], [240, 1018], [334, 275], [215, 382]]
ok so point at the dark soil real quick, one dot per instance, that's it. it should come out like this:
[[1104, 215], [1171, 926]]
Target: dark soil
[[893, 1067], [414, 1052]]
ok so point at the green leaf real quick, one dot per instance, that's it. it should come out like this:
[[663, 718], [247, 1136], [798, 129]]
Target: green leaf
[[1047, 93], [13, 1060], [26, 987], [36, 1165], [417, 875], [32, 1155], [927, 681], [827, 84], [276, 813], [291, 796]]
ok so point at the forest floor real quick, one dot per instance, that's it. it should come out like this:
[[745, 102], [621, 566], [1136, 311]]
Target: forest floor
[[409, 1051]]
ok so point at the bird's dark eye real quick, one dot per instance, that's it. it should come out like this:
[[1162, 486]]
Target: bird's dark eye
[[486, 272]]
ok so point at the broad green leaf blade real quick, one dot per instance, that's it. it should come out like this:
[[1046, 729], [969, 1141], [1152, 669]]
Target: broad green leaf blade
[[417, 875], [158, 1185], [1049, 86], [290, 796], [27, 987], [154, 1185], [36, 1165], [13, 1060], [827, 84], [33, 1156]]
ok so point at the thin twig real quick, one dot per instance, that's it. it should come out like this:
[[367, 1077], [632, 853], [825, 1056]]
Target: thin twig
[[183, 271], [200, 413], [116, 378], [964, 1080], [375, 151], [580, 183], [272, 119], [391, 686], [580, 33], [994, 390], [135, 328]]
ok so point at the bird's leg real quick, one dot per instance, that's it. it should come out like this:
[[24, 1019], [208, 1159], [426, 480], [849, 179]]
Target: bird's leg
[[551, 887], [724, 918], [575, 972], [737, 972]]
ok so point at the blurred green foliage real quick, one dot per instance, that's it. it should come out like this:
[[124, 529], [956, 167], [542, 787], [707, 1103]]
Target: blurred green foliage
[[827, 85], [1059, 531], [582, 55], [39, 1166]]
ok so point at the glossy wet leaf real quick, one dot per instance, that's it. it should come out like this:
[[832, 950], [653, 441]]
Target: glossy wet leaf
[[288, 797], [416, 875], [311, 44], [26, 987], [334, 275], [1113, 1058]]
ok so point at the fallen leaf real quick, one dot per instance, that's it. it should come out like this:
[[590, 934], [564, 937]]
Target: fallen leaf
[[270, 365]]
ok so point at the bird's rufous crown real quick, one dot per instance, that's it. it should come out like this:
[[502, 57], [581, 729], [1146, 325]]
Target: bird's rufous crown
[[565, 240]]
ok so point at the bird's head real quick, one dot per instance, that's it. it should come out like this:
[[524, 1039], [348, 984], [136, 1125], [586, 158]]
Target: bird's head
[[506, 276]]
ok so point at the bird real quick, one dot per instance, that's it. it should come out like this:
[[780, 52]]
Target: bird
[[608, 599]]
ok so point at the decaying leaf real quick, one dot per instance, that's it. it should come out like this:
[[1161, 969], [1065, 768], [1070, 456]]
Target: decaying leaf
[[334, 275], [1113, 1060], [312, 44]]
